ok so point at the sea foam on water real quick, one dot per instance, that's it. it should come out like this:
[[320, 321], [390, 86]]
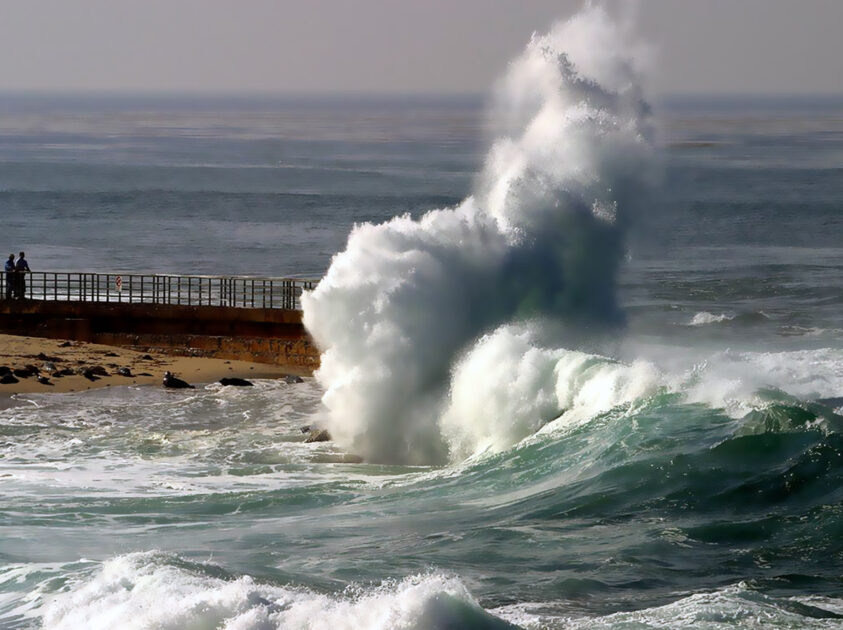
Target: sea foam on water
[[162, 592], [540, 238]]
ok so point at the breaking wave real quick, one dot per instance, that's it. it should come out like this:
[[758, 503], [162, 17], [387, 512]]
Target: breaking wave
[[410, 316]]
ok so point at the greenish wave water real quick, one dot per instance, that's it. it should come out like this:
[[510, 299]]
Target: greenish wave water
[[215, 513]]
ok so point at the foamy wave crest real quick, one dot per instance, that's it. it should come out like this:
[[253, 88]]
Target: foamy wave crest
[[508, 387], [156, 591], [749, 318], [733, 607], [735, 381], [703, 318], [541, 237]]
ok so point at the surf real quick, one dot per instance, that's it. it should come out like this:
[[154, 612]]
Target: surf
[[541, 237]]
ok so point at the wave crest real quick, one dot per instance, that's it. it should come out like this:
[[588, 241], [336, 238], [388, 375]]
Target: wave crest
[[542, 237], [156, 590]]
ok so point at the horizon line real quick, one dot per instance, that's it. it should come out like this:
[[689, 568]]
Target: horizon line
[[377, 95]]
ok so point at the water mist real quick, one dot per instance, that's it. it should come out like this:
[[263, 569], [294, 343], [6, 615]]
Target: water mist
[[428, 327]]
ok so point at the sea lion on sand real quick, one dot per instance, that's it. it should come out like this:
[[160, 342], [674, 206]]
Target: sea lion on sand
[[175, 383]]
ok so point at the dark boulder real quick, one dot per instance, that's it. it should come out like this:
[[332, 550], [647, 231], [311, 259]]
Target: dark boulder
[[236, 382], [124, 371], [8, 378], [318, 435], [292, 379]]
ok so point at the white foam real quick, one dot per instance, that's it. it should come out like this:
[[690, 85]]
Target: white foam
[[509, 387], [725, 609], [737, 381], [155, 591], [541, 237], [704, 318], [141, 442]]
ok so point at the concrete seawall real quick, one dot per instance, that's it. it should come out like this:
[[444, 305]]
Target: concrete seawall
[[263, 335]]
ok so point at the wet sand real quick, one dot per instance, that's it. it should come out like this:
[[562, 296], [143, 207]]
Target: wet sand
[[49, 356]]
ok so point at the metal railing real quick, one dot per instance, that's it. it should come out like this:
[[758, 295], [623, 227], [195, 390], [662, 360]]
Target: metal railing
[[236, 291]]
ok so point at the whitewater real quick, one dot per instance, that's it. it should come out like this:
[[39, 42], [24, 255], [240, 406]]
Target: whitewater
[[541, 237], [586, 343]]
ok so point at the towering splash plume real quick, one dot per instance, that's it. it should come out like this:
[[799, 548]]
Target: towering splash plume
[[407, 313]]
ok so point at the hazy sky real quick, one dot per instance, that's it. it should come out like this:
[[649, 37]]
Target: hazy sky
[[282, 46]]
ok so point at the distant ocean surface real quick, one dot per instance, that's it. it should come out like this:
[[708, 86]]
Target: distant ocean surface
[[711, 496], [222, 186]]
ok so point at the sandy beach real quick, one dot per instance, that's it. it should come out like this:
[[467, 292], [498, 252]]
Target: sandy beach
[[55, 359]]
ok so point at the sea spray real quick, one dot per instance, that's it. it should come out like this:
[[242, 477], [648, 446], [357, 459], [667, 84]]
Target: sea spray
[[509, 386], [161, 591], [541, 239]]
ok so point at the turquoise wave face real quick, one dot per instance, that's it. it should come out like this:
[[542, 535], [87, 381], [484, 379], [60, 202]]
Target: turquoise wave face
[[632, 508]]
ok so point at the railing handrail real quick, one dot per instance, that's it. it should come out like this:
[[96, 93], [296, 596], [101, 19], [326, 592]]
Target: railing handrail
[[170, 275], [157, 288]]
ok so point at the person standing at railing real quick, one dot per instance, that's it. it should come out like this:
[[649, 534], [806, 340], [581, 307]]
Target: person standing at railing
[[10, 276], [21, 269]]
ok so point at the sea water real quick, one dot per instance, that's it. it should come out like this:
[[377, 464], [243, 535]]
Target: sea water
[[677, 465]]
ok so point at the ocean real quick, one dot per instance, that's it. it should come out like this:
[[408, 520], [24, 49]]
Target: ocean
[[604, 395]]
